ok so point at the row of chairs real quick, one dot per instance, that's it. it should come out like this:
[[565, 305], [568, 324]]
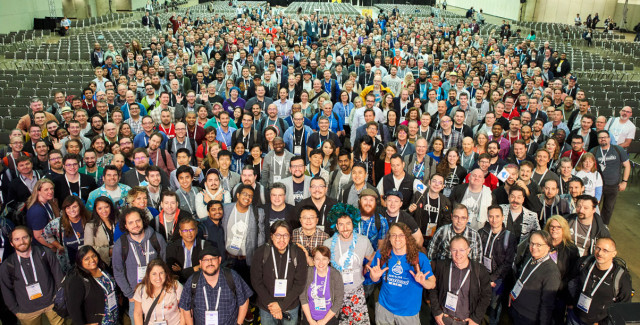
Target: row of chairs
[[323, 8]]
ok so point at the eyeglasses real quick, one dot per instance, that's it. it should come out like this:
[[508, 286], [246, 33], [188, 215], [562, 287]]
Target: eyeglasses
[[396, 236], [537, 245], [209, 260], [71, 165], [244, 194], [309, 218], [281, 236], [297, 166], [55, 159], [555, 227], [318, 186], [460, 217], [188, 231]]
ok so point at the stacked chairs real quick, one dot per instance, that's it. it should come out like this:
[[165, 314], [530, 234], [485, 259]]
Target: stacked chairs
[[325, 9]]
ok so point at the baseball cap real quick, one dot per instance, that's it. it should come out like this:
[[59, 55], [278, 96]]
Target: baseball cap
[[394, 193], [213, 251], [66, 109]]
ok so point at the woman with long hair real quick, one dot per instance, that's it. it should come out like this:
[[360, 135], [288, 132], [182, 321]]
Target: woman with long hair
[[343, 107], [161, 285], [324, 294], [436, 149], [383, 163], [211, 191], [330, 160], [98, 232], [307, 109], [407, 263], [587, 170], [211, 160], [553, 147], [91, 293], [66, 232], [238, 157], [565, 253], [364, 153], [125, 131], [452, 170], [42, 209], [481, 142], [386, 105], [392, 124]]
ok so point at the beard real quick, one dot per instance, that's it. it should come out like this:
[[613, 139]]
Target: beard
[[90, 164], [367, 212], [211, 273]]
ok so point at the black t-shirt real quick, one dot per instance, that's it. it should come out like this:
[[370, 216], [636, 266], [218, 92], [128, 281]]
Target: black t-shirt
[[315, 140], [298, 192], [405, 218], [62, 188], [277, 215]]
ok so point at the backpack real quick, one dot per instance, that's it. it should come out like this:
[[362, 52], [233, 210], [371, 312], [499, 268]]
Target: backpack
[[620, 270], [228, 276], [124, 245], [60, 298]]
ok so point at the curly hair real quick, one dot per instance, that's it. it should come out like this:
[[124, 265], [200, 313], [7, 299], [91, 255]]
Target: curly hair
[[340, 210], [413, 249]]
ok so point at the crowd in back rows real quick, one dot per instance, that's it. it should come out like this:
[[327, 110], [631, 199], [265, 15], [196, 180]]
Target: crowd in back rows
[[411, 121]]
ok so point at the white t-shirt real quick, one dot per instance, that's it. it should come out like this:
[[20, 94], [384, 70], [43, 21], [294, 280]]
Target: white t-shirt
[[621, 131]]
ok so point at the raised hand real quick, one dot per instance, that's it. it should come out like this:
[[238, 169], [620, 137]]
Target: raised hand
[[420, 277], [179, 98], [376, 271]]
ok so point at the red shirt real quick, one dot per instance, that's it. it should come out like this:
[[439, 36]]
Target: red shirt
[[574, 156], [170, 132]]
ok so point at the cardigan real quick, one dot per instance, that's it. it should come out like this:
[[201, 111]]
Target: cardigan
[[99, 241], [336, 286]]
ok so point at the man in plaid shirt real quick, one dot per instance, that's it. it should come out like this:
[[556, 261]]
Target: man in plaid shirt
[[439, 245], [309, 236]]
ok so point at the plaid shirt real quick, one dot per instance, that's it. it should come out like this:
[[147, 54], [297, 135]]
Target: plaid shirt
[[311, 242], [228, 306], [439, 245], [368, 229], [454, 139]]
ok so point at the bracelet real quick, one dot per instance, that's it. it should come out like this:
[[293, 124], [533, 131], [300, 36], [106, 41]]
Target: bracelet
[[624, 181]]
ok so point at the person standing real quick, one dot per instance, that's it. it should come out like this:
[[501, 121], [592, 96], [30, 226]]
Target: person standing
[[216, 295], [600, 282], [279, 274], [29, 279], [400, 296], [322, 298], [532, 299], [612, 161], [348, 254], [463, 287]]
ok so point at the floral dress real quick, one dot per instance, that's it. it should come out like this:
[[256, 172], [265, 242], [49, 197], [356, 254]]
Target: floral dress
[[108, 282], [55, 232]]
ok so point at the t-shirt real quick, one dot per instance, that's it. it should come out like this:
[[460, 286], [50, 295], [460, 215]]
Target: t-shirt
[[611, 165], [621, 131], [591, 181], [276, 215], [167, 307], [315, 140], [362, 249], [115, 194], [74, 240], [582, 238], [400, 294], [320, 288], [472, 201], [298, 192]]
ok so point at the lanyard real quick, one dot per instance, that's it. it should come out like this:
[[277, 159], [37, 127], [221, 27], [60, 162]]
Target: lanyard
[[281, 165], [415, 174], [452, 175], [35, 276], [186, 200], [584, 287], [324, 287], [165, 130], [301, 138], [135, 254], [542, 177], [75, 234], [111, 287], [69, 186], [575, 234], [438, 212], [543, 214], [461, 282], [368, 228], [403, 149], [275, 266], [604, 157], [492, 242], [47, 207], [530, 273], [206, 299]]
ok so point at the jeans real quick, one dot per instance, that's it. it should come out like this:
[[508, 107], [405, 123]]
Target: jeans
[[267, 319], [132, 306], [608, 200]]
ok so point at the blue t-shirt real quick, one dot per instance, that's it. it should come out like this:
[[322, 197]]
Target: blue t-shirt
[[400, 293], [38, 216]]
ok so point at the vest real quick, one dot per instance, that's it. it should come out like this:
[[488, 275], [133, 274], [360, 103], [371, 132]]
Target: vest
[[406, 188]]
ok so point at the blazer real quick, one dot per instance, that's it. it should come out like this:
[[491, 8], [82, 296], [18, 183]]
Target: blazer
[[99, 241], [175, 255], [479, 290], [288, 183]]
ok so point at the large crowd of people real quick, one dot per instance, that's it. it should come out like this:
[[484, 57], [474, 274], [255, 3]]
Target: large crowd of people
[[278, 169]]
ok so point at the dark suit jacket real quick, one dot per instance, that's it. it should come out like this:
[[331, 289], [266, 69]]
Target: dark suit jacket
[[175, 255]]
